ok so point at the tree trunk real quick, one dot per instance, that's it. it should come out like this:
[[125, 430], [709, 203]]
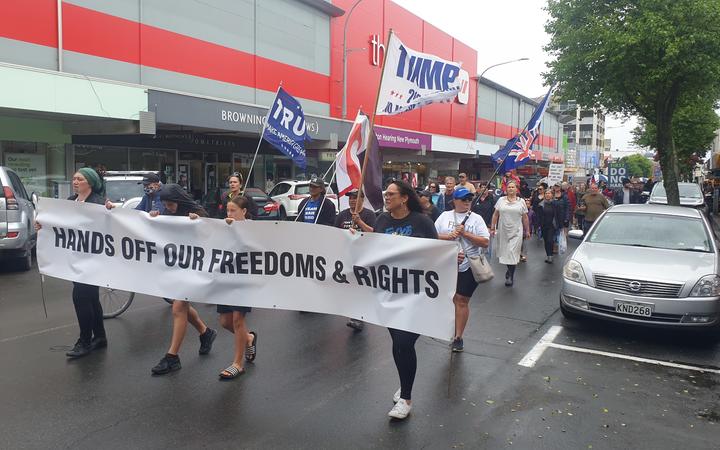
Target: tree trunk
[[668, 158]]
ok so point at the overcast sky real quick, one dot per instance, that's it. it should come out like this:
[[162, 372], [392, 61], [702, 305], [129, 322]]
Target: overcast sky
[[502, 30]]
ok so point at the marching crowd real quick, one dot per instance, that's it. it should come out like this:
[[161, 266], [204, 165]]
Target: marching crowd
[[481, 223]]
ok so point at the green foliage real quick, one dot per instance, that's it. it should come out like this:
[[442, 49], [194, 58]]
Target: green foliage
[[638, 166], [637, 57]]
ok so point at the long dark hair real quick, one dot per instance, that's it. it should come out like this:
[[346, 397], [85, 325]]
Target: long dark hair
[[413, 202]]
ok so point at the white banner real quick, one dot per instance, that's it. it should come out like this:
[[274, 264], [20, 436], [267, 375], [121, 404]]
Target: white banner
[[412, 79], [555, 174], [394, 281]]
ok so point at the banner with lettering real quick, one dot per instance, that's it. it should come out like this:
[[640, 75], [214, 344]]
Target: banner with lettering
[[394, 281], [413, 79]]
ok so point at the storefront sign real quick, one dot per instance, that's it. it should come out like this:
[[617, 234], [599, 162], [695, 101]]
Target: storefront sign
[[327, 156], [31, 170], [389, 137]]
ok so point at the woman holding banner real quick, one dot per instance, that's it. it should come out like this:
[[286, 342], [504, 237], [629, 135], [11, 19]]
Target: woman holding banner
[[510, 222], [235, 183], [88, 187], [404, 217], [178, 202]]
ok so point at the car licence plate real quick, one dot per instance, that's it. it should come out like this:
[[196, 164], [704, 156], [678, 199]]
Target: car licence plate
[[635, 309]]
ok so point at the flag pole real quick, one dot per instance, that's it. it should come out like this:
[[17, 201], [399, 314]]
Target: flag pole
[[262, 132], [359, 205]]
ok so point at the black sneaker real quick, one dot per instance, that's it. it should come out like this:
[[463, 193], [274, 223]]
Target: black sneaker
[[167, 364], [79, 350], [97, 343], [206, 341], [458, 345]]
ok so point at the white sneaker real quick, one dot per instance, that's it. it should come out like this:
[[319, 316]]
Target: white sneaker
[[400, 410], [396, 396]]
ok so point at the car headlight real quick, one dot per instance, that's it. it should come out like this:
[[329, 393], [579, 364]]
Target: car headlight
[[573, 271], [707, 286]]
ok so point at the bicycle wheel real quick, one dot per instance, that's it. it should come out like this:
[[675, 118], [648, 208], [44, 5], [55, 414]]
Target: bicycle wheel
[[114, 302]]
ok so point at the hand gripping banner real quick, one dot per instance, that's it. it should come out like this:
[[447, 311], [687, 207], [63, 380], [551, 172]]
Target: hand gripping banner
[[393, 281]]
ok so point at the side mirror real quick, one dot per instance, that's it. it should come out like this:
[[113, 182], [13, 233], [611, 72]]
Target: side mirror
[[34, 199], [576, 234]]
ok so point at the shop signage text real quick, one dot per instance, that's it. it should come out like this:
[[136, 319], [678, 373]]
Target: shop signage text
[[388, 137], [377, 49], [256, 119]]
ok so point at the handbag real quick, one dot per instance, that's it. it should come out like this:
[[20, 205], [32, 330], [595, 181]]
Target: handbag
[[480, 267]]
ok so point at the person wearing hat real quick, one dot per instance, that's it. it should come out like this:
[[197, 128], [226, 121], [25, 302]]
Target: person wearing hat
[[626, 195], [470, 234], [88, 187], [151, 200], [429, 208], [317, 208], [363, 221]]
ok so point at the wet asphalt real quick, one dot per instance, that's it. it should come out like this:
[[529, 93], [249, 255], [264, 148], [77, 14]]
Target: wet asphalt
[[318, 384]]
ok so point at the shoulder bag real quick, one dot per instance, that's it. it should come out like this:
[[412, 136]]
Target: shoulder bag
[[480, 267]]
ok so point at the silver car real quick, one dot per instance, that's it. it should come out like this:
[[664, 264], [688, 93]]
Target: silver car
[[690, 195], [17, 219], [646, 264]]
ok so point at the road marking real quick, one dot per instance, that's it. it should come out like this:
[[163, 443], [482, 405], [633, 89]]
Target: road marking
[[630, 358], [536, 352]]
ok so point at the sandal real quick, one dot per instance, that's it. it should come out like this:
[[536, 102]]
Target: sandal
[[251, 350], [233, 372]]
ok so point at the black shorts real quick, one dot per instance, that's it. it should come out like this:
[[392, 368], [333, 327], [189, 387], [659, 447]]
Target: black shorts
[[223, 309], [466, 283]]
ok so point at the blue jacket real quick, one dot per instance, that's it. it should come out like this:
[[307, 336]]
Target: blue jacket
[[151, 202]]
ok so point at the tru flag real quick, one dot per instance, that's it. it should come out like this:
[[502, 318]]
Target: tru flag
[[348, 170], [285, 127], [411, 79], [518, 150]]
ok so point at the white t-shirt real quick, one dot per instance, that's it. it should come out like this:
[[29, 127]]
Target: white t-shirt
[[447, 222]]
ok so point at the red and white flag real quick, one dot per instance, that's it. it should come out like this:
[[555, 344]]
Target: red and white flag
[[347, 165]]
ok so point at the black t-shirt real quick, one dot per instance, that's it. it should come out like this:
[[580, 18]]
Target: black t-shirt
[[449, 202], [415, 225], [344, 219]]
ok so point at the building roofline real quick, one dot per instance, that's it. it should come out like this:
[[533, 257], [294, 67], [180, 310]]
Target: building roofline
[[326, 7], [512, 93]]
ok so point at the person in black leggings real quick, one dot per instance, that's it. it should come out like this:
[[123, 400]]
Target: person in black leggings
[[404, 217], [550, 222]]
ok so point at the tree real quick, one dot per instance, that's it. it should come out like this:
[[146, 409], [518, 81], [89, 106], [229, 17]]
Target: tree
[[638, 166], [637, 57], [694, 126]]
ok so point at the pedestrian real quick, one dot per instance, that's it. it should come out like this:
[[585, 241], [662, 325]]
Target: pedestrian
[[564, 205], [536, 198], [404, 217], [232, 318], [627, 194], [484, 204], [448, 195], [317, 208], [551, 219], [363, 221], [465, 183], [509, 176], [594, 203], [151, 199], [524, 189], [178, 202], [569, 191], [510, 226], [429, 209], [579, 208], [438, 198], [88, 187], [235, 184], [471, 233]]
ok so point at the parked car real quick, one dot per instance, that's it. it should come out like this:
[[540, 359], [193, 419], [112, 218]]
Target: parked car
[[124, 189], [646, 265], [268, 209], [289, 194], [17, 220], [690, 195]]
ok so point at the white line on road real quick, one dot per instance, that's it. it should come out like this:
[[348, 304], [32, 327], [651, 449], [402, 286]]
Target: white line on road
[[536, 352], [630, 358]]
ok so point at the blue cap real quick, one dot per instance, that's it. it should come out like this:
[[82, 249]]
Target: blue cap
[[461, 193]]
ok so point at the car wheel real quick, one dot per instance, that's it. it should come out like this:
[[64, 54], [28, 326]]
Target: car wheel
[[567, 313], [25, 262], [283, 213]]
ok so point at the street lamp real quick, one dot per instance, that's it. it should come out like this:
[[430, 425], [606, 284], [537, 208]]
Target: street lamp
[[500, 64], [345, 52]]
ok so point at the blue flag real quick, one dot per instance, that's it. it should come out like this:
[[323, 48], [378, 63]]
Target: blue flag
[[285, 127], [518, 150]]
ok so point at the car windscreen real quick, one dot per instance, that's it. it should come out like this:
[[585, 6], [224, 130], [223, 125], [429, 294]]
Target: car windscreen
[[304, 189], [691, 190], [121, 190], [652, 230]]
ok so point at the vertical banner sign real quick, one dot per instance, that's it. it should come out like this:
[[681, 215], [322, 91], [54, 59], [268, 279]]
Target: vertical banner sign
[[555, 174], [411, 80], [616, 172], [285, 128]]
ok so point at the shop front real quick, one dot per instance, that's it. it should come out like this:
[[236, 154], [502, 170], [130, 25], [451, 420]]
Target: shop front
[[405, 155]]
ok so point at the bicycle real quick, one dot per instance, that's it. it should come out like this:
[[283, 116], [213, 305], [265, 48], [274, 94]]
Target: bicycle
[[115, 302]]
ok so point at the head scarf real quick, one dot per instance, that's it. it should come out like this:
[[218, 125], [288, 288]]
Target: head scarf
[[186, 204], [96, 183]]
